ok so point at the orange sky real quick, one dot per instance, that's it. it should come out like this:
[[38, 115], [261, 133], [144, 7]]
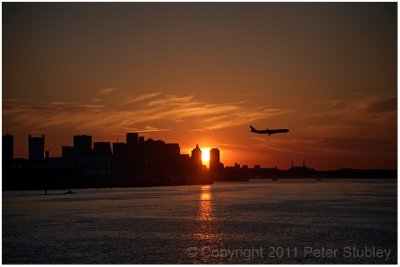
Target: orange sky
[[202, 73]]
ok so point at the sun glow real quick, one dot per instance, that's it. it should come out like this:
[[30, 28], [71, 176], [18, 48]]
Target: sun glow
[[205, 155]]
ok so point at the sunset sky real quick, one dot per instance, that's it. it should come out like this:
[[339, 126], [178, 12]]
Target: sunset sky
[[201, 73]]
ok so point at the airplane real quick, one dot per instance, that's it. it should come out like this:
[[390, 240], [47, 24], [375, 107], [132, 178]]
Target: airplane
[[267, 131]]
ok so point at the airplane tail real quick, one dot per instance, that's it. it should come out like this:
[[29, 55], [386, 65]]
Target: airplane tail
[[252, 129]]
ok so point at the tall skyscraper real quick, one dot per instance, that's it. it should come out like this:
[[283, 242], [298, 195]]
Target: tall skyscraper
[[83, 145], [196, 156], [215, 162], [102, 149], [132, 138], [8, 148], [36, 148], [132, 144], [119, 150], [68, 152], [172, 150]]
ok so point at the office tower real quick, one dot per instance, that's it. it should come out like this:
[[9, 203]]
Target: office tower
[[68, 152], [36, 148], [83, 145], [132, 144], [214, 159], [119, 150], [172, 150], [102, 149], [8, 148], [196, 156], [132, 138]]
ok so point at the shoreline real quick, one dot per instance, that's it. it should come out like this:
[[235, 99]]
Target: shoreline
[[146, 185]]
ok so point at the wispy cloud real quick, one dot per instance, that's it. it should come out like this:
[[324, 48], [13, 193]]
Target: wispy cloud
[[148, 129], [137, 113], [108, 90], [360, 105], [359, 116], [140, 98]]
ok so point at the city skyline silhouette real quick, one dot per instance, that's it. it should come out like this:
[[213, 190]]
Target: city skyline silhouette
[[137, 161], [200, 133], [202, 73]]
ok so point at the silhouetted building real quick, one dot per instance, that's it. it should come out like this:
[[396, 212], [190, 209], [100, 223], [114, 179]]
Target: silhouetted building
[[132, 138], [298, 167], [102, 149], [215, 162], [8, 148], [93, 166], [170, 155], [257, 166], [141, 139], [120, 157], [132, 143], [47, 154], [196, 157], [300, 171], [68, 152], [36, 148], [172, 151], [83, 145], [119, 150], [20, 163]]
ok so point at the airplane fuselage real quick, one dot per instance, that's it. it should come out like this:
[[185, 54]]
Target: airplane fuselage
[[268, 131]]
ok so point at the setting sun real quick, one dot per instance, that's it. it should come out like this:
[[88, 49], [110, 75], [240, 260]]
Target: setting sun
[[205, 155]]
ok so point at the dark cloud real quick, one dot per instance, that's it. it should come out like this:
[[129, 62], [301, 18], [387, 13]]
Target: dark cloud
[[385, 105], [359, 145]]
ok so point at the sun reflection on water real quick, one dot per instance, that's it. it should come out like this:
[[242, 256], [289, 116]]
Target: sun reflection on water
[[207, 227], [206, 210]]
